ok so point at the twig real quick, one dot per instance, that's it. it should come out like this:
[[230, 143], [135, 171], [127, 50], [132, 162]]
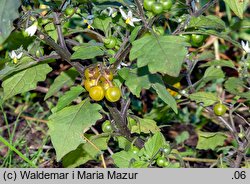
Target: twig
[[191, 159], [57, 24], [60, 51], [204, 8]]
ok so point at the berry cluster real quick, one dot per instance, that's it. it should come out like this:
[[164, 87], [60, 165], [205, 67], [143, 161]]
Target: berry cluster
[[157, 6], [99, 83]]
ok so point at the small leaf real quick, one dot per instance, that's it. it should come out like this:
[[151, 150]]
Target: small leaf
[[68, 97], [211, 73], [145, 126], [165, 96], [206, 98], [65, 78], [207, 140], [25, 80], [182, 137], [8, 13], [164, 54], [222, 63], [123, 143], [124, 159], [236, 86], [102, 23], [67, 126], [237, 6], [153, 145], [134, 33], [140, 78], [87, 51], [51, 30], [207, 22]]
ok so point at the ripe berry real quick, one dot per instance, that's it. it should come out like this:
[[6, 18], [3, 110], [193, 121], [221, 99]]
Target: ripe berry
[[96, 93], [113, 94]]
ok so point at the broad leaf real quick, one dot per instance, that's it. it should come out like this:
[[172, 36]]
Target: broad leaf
[[207, 98], [237, 6], [124, 159], [85, 152], [207, 140], [8, 13], [206, 22], [87, 51], [140, 78], [153, 145], [164, 54], [25, 80], [68, 97], [66, 127], [65, 78]]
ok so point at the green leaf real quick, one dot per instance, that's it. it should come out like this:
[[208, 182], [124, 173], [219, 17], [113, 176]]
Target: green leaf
[[165, 95], [65, 78], [102, 23], [87, 51], [25, 80], [211, 73], [134, 33], [51, 30], [207, 22], [222, 63], [145, 126], [8, 13], [85, 152], [68, 97], [207, 140], [140, 164], [236, 86], [164, 54], [153, 145], [140, 78], [236, 6], [182, 137], [9, 68], [123, 143], [124, 159], [67, 126], [223, 35], [207, 98]]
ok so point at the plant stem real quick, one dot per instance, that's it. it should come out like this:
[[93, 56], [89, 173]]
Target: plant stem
[[17, 152]]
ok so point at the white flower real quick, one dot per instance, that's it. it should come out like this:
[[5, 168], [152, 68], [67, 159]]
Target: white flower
[[245, 46], [15, 56], [32, 29], [112, 12], [128, 17]]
